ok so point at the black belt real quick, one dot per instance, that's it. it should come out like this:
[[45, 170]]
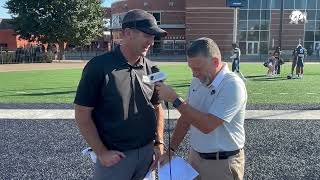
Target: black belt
[[218, 155]]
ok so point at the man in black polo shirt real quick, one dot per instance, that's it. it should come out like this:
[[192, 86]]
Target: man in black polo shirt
[[116, 110]]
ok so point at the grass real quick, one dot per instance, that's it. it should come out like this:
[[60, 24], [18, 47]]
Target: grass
[[41, 86], [59, 86]]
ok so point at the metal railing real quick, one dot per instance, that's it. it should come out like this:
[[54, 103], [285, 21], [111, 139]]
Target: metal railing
[[25, 55]]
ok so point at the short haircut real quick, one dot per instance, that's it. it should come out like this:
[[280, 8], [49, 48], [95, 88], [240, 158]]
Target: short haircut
[[204, 47]]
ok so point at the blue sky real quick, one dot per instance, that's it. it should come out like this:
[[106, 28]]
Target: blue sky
[[4, 12]]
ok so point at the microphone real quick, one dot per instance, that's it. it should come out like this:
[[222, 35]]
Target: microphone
[[158, 76]]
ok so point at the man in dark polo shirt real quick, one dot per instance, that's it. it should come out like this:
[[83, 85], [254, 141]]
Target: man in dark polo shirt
[[119, 113]]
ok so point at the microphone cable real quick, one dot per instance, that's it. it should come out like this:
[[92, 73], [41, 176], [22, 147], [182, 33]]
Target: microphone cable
[[169, 144]]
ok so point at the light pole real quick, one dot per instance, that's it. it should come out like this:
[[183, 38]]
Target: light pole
[[235, 4], [235, 24], [281, 25]]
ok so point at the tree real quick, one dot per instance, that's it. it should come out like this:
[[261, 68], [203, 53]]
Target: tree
[[76, 22]]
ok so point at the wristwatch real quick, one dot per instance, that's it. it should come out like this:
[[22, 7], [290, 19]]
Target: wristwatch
[[177, 102]]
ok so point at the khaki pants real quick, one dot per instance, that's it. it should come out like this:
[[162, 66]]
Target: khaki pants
[[225, 169]]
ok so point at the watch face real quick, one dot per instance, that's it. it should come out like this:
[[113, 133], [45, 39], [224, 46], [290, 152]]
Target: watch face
[[177, 102]]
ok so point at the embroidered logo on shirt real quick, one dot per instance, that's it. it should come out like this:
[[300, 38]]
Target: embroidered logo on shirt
[[213, 92]]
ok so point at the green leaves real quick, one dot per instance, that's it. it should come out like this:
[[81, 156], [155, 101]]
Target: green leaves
[[71, 21]]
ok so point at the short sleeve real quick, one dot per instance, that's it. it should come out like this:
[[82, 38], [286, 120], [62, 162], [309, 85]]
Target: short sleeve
[[190, 87], [90, 84], [229, 101]]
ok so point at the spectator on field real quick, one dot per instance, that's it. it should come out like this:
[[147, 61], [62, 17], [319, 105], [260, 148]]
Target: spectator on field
[[318, 50], [270, 64], [279, 62]]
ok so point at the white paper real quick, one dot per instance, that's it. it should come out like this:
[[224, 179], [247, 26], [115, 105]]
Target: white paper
[[89, 152], [150, 176], [180, 170]]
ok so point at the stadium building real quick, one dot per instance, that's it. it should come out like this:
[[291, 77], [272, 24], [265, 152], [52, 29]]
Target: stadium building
[[258, 24]]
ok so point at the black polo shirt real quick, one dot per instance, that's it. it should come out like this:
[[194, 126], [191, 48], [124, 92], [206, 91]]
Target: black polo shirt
[[123, 103]]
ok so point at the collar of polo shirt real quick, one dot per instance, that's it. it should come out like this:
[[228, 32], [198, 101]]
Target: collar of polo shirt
[[217, 80], [124, 62]]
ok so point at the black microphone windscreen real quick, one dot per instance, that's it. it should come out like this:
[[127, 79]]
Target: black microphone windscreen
[[155, 69]]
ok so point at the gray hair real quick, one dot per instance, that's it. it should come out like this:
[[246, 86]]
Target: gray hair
[[204, 47]]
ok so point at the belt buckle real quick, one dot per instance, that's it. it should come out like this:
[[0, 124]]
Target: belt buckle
[[218, 155]]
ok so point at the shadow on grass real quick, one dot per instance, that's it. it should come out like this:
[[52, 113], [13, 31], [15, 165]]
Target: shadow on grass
[[42, 94], [256, 76], [270, 79], [15, 90]]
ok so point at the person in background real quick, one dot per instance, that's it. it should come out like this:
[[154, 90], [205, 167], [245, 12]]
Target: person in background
[[293, 65], [301, 53], [279, 60], [236, 54], [270, 64], [318, 50]]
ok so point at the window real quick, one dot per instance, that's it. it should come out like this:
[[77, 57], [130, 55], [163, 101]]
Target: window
[[244, 4], [309, 36], [168, 44], [317, 26], [264, 35], [265, 4], [243, 15], [243, 46], [116, 20], [264, 25], [310, 26], [253, 35], [308, 45], [276, 4], [179, 44], [265, 15], [106, 22], [156, 47], [157, 15], [243, 36], [253, 25], [254, 15], [300, 4], [243, 25], [311, 4], [317, 36], [264, 47], [254, 4], [288, 4], [311, 15]]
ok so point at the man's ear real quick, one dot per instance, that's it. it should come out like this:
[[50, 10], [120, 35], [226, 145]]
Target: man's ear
[[127, 32], [215, 61]]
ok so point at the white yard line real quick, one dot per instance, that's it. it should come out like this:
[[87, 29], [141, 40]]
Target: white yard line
[[69, 114]]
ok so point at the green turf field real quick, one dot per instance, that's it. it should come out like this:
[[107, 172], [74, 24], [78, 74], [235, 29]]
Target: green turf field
[[59, 86]]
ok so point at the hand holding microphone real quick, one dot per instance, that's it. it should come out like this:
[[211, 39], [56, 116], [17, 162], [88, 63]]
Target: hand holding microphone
[[165, 92]]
